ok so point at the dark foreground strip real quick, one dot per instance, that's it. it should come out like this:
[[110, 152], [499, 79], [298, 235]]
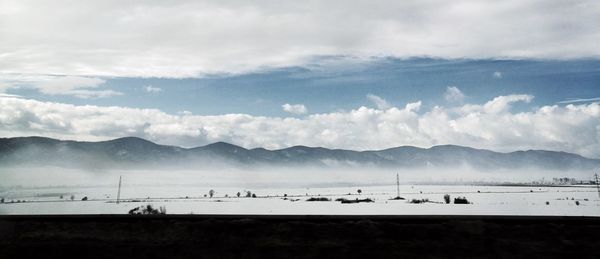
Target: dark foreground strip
[[262, 236]]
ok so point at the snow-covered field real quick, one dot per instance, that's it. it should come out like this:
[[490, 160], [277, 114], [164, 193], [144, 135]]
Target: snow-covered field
[[486, 200]]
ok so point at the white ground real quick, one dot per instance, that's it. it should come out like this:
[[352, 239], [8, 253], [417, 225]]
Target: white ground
[[490, 200]]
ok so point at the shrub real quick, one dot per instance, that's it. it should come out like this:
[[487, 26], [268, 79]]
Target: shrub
[[354, 201], [318, 199], [148, 210], [417, 201], [447, 198], [461, 200], [84, 198]]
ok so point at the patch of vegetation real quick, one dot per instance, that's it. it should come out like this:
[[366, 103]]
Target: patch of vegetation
[[148, 210], [318, 199], [447, 198], [397, 198], [461, 200], [354, 201], [417, 201]]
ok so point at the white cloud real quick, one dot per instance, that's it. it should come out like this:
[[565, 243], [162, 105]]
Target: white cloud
[[453, 94], [380, 102], [497, 74], [492, 125], [502, 103], [152, 89], [9, 95], [198, 37], [78, 86], [294, 108]]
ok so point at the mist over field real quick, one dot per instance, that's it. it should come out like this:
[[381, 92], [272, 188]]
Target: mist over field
[[271, 177]]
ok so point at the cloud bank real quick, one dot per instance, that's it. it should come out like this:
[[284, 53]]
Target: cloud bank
[[492, 125], [192, 38]]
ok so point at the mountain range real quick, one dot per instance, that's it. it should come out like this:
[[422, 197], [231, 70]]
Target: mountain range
[[132, 152]]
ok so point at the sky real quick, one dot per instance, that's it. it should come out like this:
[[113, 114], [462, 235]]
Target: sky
[[363, 75]]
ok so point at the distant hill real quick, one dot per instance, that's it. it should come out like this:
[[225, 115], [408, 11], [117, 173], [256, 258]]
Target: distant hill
[[131, 152]]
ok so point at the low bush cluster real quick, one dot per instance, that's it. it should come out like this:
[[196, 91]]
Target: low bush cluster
[[148, 210]]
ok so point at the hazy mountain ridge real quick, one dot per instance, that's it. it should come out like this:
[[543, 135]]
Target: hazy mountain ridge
[[136, 152]]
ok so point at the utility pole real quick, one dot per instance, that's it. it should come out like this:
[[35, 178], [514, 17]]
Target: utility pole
[[597, 184], [119, 192], [398, 185]]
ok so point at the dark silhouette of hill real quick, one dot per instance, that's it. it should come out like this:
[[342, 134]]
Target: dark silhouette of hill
[[137, 152]]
